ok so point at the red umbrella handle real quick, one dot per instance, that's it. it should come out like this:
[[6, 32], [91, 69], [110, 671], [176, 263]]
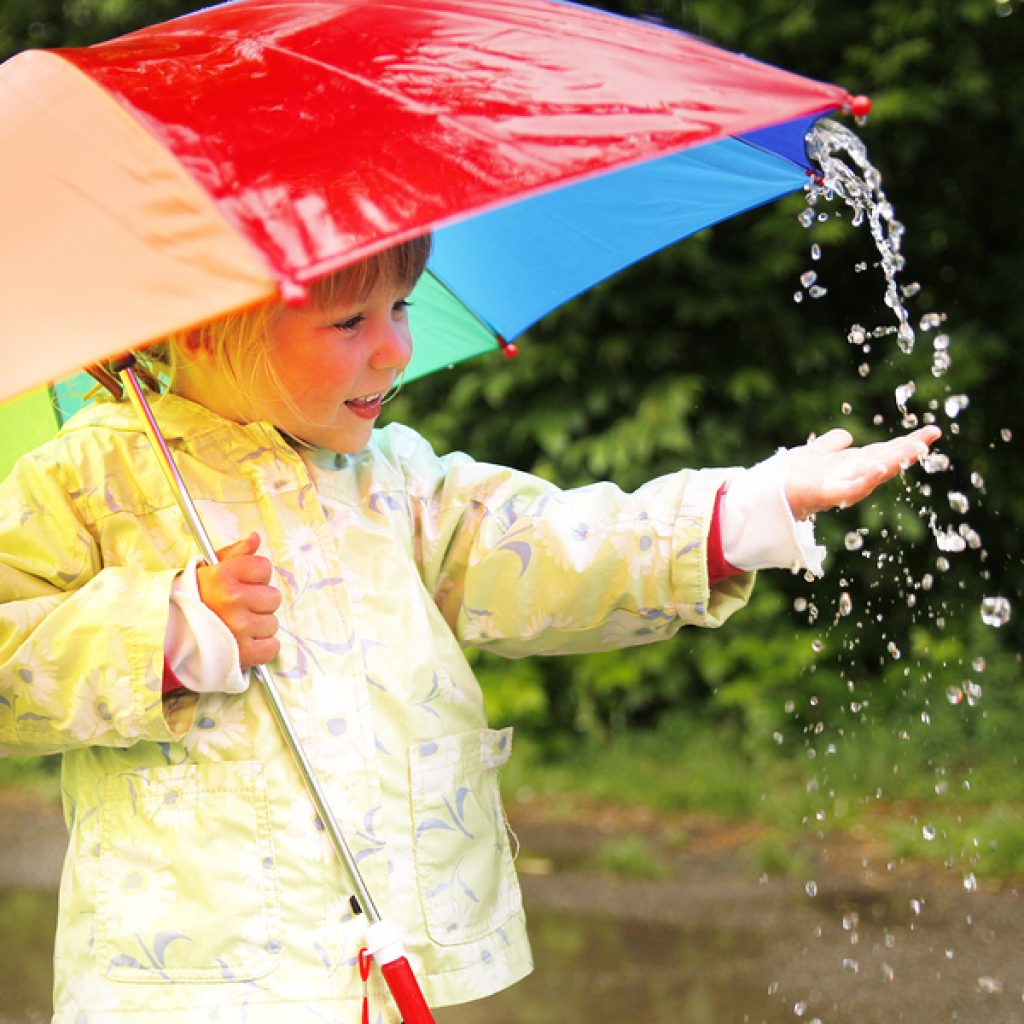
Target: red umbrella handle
[[405, 991], [385, 945]]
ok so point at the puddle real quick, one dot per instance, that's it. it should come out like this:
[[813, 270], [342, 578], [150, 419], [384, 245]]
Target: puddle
[[594, 969], [588, 968]]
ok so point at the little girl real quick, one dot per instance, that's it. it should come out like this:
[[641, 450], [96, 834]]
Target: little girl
[[198, 884]]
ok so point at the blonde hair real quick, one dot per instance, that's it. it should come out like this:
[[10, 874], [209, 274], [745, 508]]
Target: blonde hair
[[239, 341]]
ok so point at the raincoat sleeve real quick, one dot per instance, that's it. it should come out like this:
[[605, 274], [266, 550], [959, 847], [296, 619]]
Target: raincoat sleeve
[[81, 646], [520, 567]]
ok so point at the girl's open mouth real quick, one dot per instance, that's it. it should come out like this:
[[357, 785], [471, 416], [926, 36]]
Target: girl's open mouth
[[368, 407]]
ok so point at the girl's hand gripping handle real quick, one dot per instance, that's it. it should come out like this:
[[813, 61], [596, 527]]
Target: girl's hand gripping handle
[[385, 945]]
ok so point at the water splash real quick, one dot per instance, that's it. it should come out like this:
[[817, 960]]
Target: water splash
[[847, 172], [937, 495]]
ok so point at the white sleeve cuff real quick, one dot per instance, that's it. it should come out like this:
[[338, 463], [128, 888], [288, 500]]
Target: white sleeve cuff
[[757, 524], [200, 649]]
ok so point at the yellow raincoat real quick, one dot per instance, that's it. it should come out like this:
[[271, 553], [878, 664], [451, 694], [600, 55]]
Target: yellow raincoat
[[198, 885]]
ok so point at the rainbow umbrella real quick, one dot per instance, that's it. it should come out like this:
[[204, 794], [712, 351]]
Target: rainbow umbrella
[[230, 157]]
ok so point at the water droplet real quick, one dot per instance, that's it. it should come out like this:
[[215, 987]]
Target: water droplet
[[817, 291], [935, 462], [808, 277], [806, 218], [798, 296], [955, 404], [905, 338], [857, 335], [846, 408], [850, 921], [1006, 434], [817, 646], [972, 691], [864, 369], [970, 882], [958, 501], [811, 888], [954, 695], [815, 251], [949, 540], [995, 611], [854, 541], [910, 290], [990, 986], [903, 394], [941, 363], [932, 320], [845, 603], [894, 651], [928, 831], [977, 481], [978, 664], [800, 604], [851, 965]]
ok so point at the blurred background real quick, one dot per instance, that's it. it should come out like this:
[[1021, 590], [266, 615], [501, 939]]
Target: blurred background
[[878, 697]]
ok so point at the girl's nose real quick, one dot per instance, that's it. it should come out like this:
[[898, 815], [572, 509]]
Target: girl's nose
[[392, 345]]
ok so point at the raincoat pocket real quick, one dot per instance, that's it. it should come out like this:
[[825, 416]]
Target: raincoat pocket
[[187, 888], [466, 879]]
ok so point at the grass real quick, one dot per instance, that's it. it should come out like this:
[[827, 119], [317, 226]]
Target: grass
[[925, 799], [631, 856]]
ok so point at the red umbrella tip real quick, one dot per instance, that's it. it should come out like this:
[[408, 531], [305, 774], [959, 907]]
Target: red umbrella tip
[[859, 106], [509, 349]]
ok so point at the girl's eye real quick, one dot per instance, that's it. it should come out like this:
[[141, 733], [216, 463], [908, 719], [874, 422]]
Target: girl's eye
[[401, 306], [350, 324]]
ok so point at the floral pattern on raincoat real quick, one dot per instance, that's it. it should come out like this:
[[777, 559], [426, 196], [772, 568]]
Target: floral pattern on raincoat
[[199, 884]]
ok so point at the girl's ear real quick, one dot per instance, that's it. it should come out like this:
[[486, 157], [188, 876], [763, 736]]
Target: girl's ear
[[195, 342]]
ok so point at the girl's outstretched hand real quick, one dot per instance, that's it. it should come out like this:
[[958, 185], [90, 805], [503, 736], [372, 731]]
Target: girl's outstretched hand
[[237, 590], [828, 473]]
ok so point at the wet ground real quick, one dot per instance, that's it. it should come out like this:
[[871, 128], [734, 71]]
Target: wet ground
[[709, 941]]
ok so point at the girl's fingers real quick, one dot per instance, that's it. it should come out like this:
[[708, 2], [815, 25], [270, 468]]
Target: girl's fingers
[[257, 651], [834, 440], [246, 546], [249, 569]]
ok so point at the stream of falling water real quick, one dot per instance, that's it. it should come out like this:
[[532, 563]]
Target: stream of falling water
[[849, 185], [847, 175]]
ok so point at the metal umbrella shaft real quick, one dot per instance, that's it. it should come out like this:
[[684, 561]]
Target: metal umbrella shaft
[[388, 953]]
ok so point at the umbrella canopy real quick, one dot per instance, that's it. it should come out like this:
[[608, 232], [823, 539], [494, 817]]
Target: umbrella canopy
[[232, 156]]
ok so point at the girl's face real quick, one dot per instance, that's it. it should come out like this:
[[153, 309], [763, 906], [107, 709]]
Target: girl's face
[[328, 368], [331, 367]]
